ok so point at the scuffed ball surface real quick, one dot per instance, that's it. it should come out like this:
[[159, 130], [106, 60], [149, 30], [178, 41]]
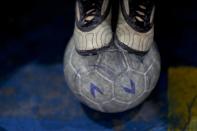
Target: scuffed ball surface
[[112, 81]]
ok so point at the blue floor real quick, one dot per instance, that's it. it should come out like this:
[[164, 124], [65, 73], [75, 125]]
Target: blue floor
[[37, 98]]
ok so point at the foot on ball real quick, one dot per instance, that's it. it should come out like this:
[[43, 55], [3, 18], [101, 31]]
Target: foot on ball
[[93, 26]]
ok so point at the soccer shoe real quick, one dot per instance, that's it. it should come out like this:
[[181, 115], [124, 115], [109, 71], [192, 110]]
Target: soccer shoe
[[135, 29], [93, 26]]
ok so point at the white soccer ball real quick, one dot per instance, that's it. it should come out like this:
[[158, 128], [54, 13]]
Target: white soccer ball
[[113, 80]]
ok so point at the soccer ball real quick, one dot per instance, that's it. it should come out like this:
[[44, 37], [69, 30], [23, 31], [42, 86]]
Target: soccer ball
[[113, 80]]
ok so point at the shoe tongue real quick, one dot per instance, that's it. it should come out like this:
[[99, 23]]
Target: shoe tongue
[[104, 6], [126, 5]]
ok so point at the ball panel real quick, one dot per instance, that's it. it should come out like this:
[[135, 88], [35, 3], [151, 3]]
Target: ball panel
[[114, 106], [111, 63], [152, 74], [95, 87], [136, 63], [82, 63], [152, 58], [69, 71], [142, 63], [139, 100], [129, 85], [88, 102], [152, 77], [72, 80]]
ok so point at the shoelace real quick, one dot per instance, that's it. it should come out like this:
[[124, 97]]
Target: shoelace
[[92, 9], [143, 12]]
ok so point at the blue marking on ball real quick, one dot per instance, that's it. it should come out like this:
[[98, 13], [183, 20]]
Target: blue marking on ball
[[94, 89], [131, 89]]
